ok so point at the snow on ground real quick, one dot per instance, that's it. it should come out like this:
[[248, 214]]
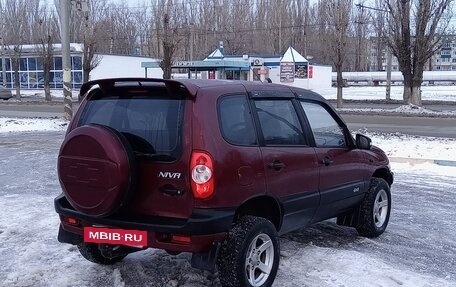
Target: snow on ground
[[55, 93], [414, 147], [433, 93], [418, 248], [395, 145], [25, 124], [407, 110]]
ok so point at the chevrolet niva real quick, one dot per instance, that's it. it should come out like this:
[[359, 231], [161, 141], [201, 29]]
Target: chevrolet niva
[[216, 168]]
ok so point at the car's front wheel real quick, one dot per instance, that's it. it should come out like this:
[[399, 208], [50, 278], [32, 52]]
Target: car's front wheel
[[250, 254], [375, 209]]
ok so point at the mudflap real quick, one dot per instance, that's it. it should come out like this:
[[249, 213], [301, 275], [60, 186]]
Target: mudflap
[[206, 260], [68, 237], [351, 219]]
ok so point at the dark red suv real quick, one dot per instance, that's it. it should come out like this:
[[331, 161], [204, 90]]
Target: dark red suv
[[216, 168]]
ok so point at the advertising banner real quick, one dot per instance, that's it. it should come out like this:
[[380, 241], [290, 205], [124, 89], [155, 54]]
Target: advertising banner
[[301, 71], [286, 72]]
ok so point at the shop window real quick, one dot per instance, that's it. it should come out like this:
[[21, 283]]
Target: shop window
[[23, 77], [57, 63], [8, 64], [58, 79], [32, 64], [33, 80], [40, 78], [77, 77], [23, 64], [76, 63], [39, 65]]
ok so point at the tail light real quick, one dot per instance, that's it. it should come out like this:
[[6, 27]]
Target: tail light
[[202, 174]]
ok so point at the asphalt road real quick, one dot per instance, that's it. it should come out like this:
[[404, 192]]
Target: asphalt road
[[376, 105], [423, 126], [32, 110]]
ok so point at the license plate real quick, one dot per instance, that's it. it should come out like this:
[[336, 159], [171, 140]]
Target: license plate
[[115, 236]]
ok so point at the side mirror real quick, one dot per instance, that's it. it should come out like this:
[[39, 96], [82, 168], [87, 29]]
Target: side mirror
[[363, 142]]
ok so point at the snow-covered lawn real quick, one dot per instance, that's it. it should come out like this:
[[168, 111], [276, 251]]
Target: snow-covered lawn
[[431, 93], [31, 124], [434, 93]]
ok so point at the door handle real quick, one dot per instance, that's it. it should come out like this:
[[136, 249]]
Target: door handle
[[276, 165], [327, 161], [171, 190]]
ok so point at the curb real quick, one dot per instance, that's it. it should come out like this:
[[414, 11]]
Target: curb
[[421, 160]]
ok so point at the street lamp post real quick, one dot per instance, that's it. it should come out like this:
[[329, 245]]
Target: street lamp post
[[66, 58], [389, 54], [2, 38]]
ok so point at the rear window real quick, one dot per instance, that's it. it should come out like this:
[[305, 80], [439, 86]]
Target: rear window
[[152, 124]]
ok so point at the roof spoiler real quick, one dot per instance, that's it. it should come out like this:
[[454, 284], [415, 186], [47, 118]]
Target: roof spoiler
[[108, 84]]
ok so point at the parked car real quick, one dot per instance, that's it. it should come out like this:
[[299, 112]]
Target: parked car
[[212, 167], [5, 93]]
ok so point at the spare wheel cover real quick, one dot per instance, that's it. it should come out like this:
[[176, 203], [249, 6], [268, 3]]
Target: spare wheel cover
[[95, 169]]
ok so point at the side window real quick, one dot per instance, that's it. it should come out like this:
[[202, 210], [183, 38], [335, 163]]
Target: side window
[[279, 122], [236, 121], [326, 130]]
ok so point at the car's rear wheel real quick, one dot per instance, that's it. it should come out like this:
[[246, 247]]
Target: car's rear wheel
[[375, 209], [250, 254], [92, 253]]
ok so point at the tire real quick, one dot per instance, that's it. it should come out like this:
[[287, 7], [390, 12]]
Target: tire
[[375, 209], [249, 255], [91, 252]]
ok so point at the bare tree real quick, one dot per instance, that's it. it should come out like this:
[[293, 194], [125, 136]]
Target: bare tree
[[169, 31], [169, 47], [45, 33], [90, 26], [17, 14], [124, 30], [378, 40], [336, 25], [194, 29], [414, 34], [361, 22]]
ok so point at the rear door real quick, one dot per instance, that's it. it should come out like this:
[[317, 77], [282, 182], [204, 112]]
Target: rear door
[[152, 121], [341, 172], [290, 163]]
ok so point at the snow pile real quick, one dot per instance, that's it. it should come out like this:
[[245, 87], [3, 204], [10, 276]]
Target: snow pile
[[27, 125], [399, 145], [417, 110], [412, 109]]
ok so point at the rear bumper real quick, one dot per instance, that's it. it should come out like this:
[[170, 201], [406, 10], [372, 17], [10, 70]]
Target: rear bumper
[[204, 226]]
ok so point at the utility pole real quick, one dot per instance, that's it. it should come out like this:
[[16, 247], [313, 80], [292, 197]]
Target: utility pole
[[2, 38], [389, 54], [388, 74], [66, 58]]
